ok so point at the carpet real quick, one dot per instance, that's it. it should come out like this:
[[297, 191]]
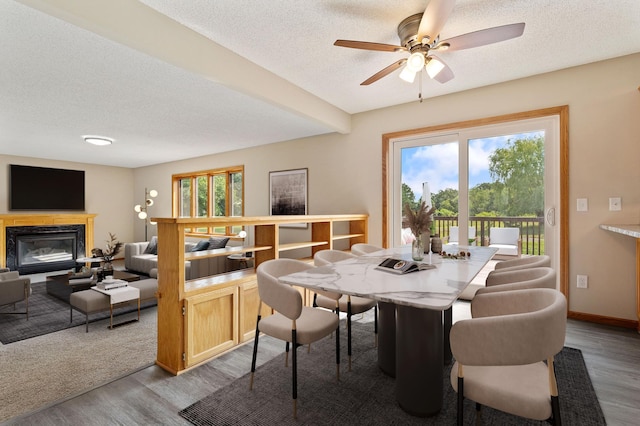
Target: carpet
[[47, 314], [365, 395], [41, 371]]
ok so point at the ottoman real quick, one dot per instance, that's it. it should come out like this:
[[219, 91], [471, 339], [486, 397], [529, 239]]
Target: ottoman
[[88, 302], [148, 288]]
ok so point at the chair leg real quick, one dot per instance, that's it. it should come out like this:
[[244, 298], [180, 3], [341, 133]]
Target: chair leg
[[460, 416], [286, 355], [375, 324], [555, 411], [255, 353], [338, 353], [478, 414], [349, 314], [294, 372]]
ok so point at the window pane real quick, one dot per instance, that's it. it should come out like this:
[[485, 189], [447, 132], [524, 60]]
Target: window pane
[[429, 172], [220, 195], [236, 194], [506, 186], [185, 197], [220, 199], [236, 198], [215, 193], [202, 204]]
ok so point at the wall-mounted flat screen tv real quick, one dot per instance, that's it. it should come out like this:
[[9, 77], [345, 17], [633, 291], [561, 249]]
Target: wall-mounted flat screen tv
[[43, 188]]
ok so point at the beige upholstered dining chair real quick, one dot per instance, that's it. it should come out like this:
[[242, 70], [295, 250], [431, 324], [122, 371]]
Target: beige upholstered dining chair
[[292, 322], [523, 263], [512, 340], [519, 279], [14, 289], [352, 305], [361, 249]]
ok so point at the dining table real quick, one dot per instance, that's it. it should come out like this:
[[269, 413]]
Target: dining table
[[415, 312]]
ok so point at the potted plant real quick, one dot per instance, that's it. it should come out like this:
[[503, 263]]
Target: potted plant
[[419, 221], [108, 254]]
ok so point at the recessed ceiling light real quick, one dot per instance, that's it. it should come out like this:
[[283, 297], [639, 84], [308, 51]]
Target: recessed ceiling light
[[98, 140]]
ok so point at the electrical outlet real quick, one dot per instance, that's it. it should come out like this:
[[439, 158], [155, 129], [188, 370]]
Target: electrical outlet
[[583, 281], [615, 204]]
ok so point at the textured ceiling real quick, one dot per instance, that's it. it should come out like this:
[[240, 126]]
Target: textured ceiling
[[265, 71]]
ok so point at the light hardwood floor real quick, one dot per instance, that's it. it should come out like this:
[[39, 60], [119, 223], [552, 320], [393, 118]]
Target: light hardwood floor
[[152, 396]]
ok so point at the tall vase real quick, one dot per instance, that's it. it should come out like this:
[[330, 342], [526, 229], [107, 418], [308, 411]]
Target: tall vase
[[417, 249], [107, 270], [426, 241]]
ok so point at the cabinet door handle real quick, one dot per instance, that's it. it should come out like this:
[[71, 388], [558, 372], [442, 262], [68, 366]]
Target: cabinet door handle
[[551, 216]]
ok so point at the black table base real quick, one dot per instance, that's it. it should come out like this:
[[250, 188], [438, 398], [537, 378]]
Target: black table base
[[419, 360]]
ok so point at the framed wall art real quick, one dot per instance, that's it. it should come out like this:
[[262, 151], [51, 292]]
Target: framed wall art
[[288, 194]]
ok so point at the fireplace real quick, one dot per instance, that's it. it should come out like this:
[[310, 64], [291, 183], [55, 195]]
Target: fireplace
[[36, 249]]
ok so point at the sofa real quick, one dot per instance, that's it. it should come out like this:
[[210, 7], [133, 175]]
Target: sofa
[[142, 257]]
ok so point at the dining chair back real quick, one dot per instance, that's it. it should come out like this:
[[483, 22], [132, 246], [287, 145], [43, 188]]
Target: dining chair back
[[523, 262], [361, 249], [519, 279]]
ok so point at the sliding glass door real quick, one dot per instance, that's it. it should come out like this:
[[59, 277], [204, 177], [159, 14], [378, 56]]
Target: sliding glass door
[[502, 175]]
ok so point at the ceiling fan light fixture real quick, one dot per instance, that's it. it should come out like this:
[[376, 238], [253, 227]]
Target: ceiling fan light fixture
[[434, 67], [407, 74], [416, 61]]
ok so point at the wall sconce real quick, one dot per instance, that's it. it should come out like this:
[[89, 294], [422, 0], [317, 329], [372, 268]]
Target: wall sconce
[[141, 209]]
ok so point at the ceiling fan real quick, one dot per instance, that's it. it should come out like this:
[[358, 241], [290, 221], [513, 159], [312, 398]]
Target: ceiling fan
[[420, 37]]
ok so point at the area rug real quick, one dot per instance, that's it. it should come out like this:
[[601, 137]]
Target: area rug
[[365, 396], [47, 314], [44, 370]]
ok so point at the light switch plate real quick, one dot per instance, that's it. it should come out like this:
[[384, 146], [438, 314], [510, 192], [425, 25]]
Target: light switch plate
[[582, 205], [615, 204]]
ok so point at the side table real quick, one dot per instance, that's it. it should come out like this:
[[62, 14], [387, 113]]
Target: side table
[[243, 260], [61, 287], [118, 296]]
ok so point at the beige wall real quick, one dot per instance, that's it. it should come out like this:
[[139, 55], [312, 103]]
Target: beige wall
[[345, 170], [108, 193]]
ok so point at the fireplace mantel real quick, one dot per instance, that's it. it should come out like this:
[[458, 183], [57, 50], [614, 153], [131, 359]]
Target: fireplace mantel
[[8, 220]]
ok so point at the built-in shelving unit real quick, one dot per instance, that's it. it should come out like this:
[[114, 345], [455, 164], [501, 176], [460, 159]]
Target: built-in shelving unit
[[201, 318]]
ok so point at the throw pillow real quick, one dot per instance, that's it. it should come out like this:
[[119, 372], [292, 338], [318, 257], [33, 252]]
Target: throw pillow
[[217, 242], [202, 245], [152, 247]]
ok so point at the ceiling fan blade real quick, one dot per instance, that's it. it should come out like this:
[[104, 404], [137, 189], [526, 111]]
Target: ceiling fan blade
[[384, 72], [484, 37], [434, 17], [445, 74], [366, 45]]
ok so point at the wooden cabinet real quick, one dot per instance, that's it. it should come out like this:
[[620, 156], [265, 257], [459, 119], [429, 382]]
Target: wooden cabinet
[[199, 319], [211, 326]]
